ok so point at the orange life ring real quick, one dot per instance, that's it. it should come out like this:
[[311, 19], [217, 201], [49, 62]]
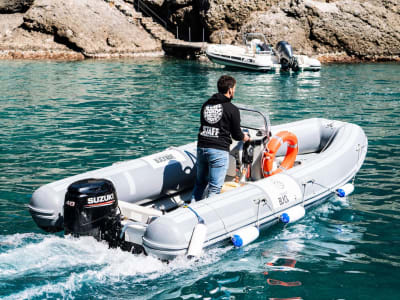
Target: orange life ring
[[273, 146]]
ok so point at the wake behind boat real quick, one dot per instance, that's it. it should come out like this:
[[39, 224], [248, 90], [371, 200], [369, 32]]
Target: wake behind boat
[[257, 55], [138, 204]]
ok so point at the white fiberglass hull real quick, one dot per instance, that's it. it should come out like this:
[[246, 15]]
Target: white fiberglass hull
[[239, 57]]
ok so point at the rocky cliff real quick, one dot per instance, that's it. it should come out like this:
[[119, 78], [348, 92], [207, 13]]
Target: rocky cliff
[[77, 29], [73, 29], [356, 29], [330, 29], [14, 6]]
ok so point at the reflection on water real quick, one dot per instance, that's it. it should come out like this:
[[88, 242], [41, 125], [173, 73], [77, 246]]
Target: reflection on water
[[60, 119]]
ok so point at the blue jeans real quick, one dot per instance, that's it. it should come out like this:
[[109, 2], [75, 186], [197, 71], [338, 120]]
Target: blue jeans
[[212, 165]]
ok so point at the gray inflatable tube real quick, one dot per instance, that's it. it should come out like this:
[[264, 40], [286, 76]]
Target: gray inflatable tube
[[151, 189]]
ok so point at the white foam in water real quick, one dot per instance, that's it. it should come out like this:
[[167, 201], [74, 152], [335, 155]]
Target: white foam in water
[[61, 288], [17, 239], [73, 264], [57, 252], [332, 205], [297, 231], [82, 261]]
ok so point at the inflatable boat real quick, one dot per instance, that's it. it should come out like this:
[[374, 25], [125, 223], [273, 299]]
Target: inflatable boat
[[143, 205], [255, 54]]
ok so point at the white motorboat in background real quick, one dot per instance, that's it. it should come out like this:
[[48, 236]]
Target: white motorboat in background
[[257, 55]]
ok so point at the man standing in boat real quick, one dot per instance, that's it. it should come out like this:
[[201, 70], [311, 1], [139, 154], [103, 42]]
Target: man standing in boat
[[219, 123]]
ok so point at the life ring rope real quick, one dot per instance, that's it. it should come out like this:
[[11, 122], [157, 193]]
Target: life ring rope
[[276, 141]]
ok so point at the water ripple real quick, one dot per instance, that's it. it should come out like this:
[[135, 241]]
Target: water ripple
[[63, 118]]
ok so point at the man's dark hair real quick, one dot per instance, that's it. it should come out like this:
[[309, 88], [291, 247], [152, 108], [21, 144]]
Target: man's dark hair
[[225, 82]]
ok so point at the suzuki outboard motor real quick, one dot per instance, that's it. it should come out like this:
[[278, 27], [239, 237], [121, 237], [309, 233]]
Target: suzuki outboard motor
[[91, 209], [286, 58]]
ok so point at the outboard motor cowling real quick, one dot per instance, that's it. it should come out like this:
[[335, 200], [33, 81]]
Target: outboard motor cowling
[[284, 50], [91, 209], [286, 58]]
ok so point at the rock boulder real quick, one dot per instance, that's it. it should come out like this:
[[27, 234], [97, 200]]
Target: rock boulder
[[16, 42], [223, 18], [14, 6], [360, 29], [93, 27]]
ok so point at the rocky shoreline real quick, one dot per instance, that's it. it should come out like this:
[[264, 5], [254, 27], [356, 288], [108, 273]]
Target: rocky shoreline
[[331, 30]]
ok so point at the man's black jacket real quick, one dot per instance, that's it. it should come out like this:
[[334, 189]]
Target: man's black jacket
[[220, 120]]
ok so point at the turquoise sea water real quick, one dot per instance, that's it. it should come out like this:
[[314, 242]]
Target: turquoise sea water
[[63, 118]]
